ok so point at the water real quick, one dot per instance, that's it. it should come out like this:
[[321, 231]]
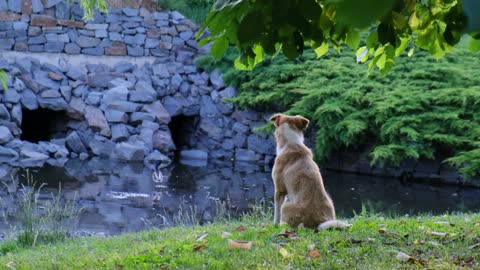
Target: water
[[117, 198]]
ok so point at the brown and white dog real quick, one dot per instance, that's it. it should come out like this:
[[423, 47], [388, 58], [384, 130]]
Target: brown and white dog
[[298, 177]]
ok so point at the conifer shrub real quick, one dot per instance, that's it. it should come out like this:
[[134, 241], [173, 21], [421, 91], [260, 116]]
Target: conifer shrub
[[422, 108]]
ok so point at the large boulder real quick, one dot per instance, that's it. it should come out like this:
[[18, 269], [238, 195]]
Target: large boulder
[[5, 135], [96, 120], [74, 143], [128, 151]]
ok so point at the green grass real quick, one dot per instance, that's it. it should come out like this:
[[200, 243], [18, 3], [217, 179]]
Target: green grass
[[423, 108], [372, 243], [195, 10]]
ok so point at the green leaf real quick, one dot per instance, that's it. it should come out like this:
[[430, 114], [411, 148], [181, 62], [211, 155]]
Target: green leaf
[[362, 54], [352, 39], [474, 45], [219, 47], [410, 52], [320, 49]]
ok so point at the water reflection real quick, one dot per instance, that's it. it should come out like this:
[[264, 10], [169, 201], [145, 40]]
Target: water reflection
[[117, 197]]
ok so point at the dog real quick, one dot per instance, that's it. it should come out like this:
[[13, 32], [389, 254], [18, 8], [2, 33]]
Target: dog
[[297, 177]]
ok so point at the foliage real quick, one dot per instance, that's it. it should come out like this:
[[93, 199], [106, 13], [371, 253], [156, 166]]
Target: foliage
[[372, 243], [423, 108], [266, 27], [196, 10]]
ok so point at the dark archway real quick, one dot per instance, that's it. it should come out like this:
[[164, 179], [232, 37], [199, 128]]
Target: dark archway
[[183, 130], [43, 125]]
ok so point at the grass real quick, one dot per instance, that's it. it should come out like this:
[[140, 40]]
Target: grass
[[36, 222], [373, 242]]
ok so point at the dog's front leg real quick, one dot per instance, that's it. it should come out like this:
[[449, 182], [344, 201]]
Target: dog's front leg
[[278, 201]]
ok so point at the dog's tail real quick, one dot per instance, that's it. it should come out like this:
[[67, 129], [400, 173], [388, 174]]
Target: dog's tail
[[333, 224]]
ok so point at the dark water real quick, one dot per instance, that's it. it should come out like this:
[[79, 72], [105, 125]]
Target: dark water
[[118, 198]]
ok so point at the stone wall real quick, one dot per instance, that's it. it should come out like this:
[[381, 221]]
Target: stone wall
[[114, 108], [55, 26]]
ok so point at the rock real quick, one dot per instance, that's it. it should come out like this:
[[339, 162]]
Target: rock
[[124, 106], [42, 20], [102, 147], [76, 73], [15, 6], [56, 104], [124, 67], [193, 154], [207, 107], [37, 6], [5, 135], [51, 3], [151, 43], [62, 11], [162, 140], [96, 120], [54, 47], [120, 82], [9, 16], [138, 117], [119, 93], [17, 114], [216, 78], [6, 153], [74, 143], [11, 96], [212, 128], [228, 144], [101, 79], [32, 154], [143, 93], [28, 100], [94, 98], [160, 113], [72, 48], [246, 155], [161, 71], [96, 26], [117, 48], [120, 133], [76, 108], [240, 140], [228, 92], [156, 157], [259, 145], [135, 50], [87, 42], [128, 152], [93, 51], [114, 116], [173, 105], [130, 12], [4, 114]]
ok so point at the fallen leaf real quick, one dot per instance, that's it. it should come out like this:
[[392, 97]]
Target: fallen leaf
[[11, 264], [444, 223], [289, 235], [198, 248], [403, 257], [437, 234], [283, 252], [241, 228], [313, 254], [434, 243], [201, 237], [236, 244], [475, 246], [225, 235]]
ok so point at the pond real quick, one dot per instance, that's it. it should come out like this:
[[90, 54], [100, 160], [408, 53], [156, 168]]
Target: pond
[[117, 197]]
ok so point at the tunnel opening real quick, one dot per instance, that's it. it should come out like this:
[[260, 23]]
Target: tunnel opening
[[183, 130], [43, 125]]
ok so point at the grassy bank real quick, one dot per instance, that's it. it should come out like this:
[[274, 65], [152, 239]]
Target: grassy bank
[[442, 242]]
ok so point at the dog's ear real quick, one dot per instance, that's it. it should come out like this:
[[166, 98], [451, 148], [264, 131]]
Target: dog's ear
[[301, 122], [276, 119]]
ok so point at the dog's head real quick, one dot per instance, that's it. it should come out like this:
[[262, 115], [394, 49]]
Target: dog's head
[[289, 129]]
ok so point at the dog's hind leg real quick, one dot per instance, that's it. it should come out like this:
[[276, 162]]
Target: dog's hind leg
[[278, 201], [292, 214]]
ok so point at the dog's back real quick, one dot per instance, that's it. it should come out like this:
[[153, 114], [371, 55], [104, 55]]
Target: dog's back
[[296, 174]]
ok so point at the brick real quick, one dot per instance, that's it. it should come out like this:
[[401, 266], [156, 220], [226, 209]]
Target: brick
[[43, 20]]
